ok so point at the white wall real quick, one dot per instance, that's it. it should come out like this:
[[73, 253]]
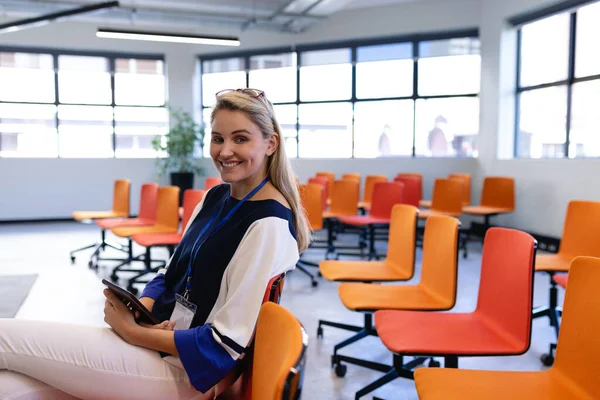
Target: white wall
[[53, 188]]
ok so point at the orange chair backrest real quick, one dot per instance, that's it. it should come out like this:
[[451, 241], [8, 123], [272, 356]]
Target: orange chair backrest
[[498, 191], [578, 349], [167, 207], [351, 176], [344, 198], [370, 181], [279, 349], [211, 181], [506, 283], [414, 175], [311, 198], [440, 258], [191, 198], [466, 180], [148, 198], [412, 189], [385, 196], [402, 238], [581, 232], [447, 196], [331, 177], [324, 182], [121, 197]]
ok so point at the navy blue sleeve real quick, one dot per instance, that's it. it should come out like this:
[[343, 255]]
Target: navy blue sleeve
[[155, 287], [206, 362]]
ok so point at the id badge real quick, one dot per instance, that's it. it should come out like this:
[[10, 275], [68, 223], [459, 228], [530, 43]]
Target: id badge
[[183, 314]]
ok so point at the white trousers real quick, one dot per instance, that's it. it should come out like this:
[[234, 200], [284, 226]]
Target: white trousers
[[47, 360]]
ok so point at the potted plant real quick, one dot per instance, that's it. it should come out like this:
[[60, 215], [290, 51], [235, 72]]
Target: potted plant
[[178, 147]]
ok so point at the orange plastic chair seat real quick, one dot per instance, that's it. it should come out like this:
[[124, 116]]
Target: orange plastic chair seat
[[157, 239], [329, 214], [370, 297], [442, 333], [362, 220], [362, 271], [423, 214], [85, 215], [553, 262], [113, 223], [561, 279], [425, 203], [484, 210], [127, 231], [456, 384]]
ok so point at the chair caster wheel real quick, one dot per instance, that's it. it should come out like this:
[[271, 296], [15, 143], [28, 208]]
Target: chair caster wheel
[[547, 360], [340, 370], [465, 256], [114, 278], [433, 364], [91, 264], [320, 274], [314, 283], [72, 259], [320, 332]]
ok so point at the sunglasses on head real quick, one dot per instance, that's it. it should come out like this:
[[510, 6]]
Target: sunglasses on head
[[254, 93]]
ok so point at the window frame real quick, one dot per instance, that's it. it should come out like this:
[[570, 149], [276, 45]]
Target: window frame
[[111, 57]]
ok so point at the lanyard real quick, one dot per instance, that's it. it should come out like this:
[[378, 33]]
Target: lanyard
[[197, 246]]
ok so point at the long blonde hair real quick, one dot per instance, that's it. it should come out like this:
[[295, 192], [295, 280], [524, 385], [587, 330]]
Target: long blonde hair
[[279, 167]]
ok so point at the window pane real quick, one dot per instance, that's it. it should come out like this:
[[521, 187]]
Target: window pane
[[325, 130], [542, 123], [585, 120], [287, 116], [135, 127], [384, 71], [588, 31], [545, 50], [207, 128], [275, 74], [21, 70], [139, 82], [448, 67], [85, 131], [326, 75], [229, 73], [383, 128], [28, 130], [84, 80], [447, 127]]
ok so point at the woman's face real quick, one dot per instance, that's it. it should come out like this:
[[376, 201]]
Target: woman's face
[[238, 148]]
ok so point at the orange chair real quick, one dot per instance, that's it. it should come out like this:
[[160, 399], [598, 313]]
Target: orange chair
[[146, 217], [581, 237], [370, 181], [324, 182], [414, 175], [344, 202], [447, 199], [574, 375], [412, 189], [211, 182], [497, 197], [466, 180], [331, 177], [351, 176], [120, 209], [385, 196], [311, 198], [191, 198], [499, 326], [435, 291], [167, 221]]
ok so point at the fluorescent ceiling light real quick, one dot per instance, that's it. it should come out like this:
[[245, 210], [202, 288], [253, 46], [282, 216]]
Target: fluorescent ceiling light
[[167, 37]]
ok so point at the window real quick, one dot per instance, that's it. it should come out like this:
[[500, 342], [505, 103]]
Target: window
[[28, 130], [287, 116], [228, 73], [21, 70], [276, 75], [325, 130], [551, 72], [325, 75], [84, 80], [139, 82], [384, 71]]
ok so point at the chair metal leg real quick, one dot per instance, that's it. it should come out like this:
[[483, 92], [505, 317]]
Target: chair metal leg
[[362, 331], [313, 281], [398, 370]]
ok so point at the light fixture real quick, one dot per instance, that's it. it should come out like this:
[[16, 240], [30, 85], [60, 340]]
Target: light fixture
[[57, 16], [167, 37]]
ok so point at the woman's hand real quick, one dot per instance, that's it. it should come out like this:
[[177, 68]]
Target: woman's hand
[[119, 317], [166, 325]]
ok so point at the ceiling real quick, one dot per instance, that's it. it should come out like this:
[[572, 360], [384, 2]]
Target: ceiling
[[291, 16]]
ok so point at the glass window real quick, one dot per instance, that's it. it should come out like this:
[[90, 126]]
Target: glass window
[[229, 73], [28, 130], [85, 131], [26, 70], [449, 67], [139, 82], [545, 50], [584, 137], [542, 123], [325, 75], [287, 115], [383, 128], [587, 61], [135, 127], [384, 71], [275, 74], [84, 80], [325, 130], [447, 127]]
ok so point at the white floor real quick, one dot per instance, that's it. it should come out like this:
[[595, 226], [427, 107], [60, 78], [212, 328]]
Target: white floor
[[73, 293]]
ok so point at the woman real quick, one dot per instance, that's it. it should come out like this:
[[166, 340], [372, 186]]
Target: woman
[[241, 235]]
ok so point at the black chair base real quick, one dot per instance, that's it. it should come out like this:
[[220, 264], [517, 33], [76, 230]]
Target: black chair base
[[302, 268], [554, 313], [361, 332], [98, 246]]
